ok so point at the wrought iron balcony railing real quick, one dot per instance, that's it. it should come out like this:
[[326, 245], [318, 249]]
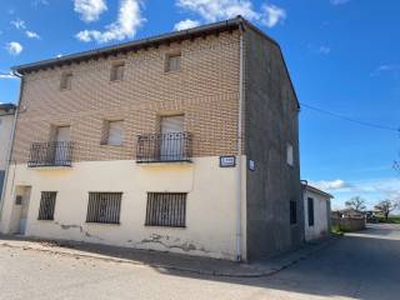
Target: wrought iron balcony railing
[[50, 154], [167, 147]]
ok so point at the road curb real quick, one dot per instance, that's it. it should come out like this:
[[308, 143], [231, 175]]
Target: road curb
[[260, 270]]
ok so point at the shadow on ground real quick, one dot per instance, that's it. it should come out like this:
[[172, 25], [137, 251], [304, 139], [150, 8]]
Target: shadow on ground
[[363, 265]]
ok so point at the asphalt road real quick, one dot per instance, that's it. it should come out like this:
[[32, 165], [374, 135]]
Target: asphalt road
[[358, 266]]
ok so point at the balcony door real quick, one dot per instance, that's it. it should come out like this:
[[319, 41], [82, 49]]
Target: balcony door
[[61, 145], [172, 142]]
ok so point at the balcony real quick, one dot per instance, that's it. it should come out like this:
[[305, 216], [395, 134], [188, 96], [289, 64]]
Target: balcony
[[50, 154], [164, 148]]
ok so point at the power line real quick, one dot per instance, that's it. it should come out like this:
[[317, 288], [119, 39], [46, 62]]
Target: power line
[[363, 123]]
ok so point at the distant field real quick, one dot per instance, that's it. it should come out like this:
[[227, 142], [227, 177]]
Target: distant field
[[392, 220]]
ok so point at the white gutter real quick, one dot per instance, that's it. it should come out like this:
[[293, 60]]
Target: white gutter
[[10, 148], [239, 153]]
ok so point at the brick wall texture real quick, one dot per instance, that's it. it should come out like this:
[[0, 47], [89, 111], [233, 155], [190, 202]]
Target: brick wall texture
[[205, 90]]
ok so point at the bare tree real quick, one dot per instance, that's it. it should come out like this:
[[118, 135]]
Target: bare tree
[[385, 207], [357, 203]]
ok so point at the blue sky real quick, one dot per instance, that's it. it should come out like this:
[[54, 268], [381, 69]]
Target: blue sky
[[343, 56]]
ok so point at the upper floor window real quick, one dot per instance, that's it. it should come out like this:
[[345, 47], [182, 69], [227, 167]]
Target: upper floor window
[[66, 81], [289, 155], [117, 71], [113, 134], [173, 62]]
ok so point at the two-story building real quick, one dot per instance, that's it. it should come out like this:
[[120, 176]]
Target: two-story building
[[185, 142], [7, 114]]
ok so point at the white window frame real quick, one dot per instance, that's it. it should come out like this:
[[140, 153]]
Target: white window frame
[[289, 154]]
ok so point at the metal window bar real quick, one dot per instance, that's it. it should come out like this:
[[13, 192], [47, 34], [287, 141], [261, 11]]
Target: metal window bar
[[51, 154], [47, 206], [104, 208], [166, 209], [168, 147]]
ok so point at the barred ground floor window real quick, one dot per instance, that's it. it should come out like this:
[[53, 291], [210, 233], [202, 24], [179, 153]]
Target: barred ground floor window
[[166, 209], [104, 208]]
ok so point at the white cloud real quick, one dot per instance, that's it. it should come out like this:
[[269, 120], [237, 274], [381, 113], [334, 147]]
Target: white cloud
[[14, 48], [186, 24], [40, 2], [387, 68], [129, 20], [339, 2], [18, 24], [324, 50], [90, 10], [21, 25], [331, 185], [214, 10], [272, 15], [32, 34]]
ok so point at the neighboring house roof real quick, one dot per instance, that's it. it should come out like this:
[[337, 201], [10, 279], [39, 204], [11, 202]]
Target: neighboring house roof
[[156, 41], [316, 190], [7, 109]]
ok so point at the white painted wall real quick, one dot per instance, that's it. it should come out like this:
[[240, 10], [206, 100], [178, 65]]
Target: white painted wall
[[321, 217], [210, 215], [6, 123]]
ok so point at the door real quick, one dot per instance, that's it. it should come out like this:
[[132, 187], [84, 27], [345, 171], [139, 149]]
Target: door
[[172, 138], [61, 145], [21, 208]]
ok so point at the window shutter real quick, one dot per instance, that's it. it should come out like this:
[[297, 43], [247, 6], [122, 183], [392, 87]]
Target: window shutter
[[115, 132]]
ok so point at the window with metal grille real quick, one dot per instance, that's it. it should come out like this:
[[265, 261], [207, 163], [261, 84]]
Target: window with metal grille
[[293, 212], [47, 205], [166, 209], [117, 72], [104, 208], [66, 81], [310, 206], [173, 62]]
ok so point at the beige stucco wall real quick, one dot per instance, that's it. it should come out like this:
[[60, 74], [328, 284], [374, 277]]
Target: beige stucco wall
[[6, 123], [321, 222], [210, 215]]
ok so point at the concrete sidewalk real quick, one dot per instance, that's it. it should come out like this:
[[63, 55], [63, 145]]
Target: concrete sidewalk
[[166, 261]]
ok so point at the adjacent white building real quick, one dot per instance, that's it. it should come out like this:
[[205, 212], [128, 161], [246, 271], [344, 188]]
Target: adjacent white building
[[7, 112], [317, 211]]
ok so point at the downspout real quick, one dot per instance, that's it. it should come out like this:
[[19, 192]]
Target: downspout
[[10, 148], [239, 151]]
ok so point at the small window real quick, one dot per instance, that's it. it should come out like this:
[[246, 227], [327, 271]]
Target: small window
[[18, 200], [104, 208], [289, 155], [173, 63], [117, 72], [310, 206], [113, 133], [66, 81], [166, 209], [293, 212], [47, 205]]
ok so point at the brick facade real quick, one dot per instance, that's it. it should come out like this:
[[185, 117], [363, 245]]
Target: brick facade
[[205, 90]]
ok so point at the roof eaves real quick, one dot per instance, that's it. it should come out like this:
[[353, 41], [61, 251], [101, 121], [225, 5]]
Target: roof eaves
[[142, 43]]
